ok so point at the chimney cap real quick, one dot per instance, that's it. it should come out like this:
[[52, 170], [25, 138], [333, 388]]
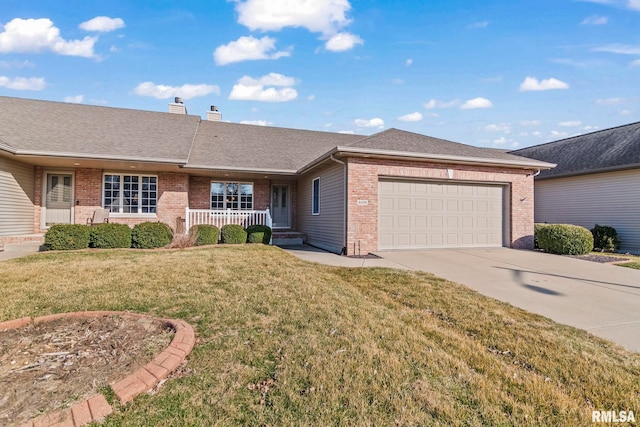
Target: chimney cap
[[178, 100], [214, 108]]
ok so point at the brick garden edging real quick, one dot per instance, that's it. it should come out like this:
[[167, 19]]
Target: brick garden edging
[[144, 379]]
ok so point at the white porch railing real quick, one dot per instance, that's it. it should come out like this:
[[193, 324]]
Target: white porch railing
[[220, 218]]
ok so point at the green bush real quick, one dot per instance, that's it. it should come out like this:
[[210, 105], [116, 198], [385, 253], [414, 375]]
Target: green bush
[[110, 235], [259, 234], [233, 234], [255, 237], [64, 237], [148, 235], [536, 230], [205, 234], [605, 238], [565, 239]]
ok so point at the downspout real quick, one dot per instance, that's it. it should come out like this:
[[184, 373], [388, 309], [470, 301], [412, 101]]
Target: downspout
[[346, 202], [535, 174]]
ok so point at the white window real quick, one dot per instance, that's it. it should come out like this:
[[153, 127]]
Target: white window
[[232, 195], [130, 194], [315, 197]]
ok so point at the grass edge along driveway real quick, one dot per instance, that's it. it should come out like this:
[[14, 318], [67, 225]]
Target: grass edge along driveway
[[281, 341]]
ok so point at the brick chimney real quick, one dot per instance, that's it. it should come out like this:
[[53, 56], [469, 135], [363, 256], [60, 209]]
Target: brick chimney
[[177, 107], [214, 115]]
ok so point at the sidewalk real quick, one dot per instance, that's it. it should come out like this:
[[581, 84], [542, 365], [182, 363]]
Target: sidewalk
[[17, 251], [309, 253]]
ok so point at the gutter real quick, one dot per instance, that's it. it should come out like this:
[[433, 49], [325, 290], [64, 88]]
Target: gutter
[[98, 157], [591, 171], [241, 169]]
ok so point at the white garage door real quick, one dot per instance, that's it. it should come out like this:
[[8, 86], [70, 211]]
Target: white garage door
[[439, 215]]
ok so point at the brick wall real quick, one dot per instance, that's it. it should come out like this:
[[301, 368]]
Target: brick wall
[[362, 181]]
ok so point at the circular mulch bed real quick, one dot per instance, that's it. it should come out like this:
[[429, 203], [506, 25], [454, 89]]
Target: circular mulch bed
[[51, 365]]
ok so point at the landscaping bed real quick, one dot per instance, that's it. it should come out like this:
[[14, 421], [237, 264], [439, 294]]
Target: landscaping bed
[[51, 365]]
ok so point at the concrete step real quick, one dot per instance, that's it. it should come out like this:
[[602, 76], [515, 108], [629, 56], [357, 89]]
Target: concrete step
[[288, 238]]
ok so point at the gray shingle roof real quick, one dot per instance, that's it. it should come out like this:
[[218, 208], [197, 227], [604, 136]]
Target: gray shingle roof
[[61, 129], [232, 145], [46, 128], [609, 149], [409, 142]]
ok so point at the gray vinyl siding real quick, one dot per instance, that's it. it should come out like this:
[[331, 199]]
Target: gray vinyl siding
[[16, 196], [606, 198], [325, 230]]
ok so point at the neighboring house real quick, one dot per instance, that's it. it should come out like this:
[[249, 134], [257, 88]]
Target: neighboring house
[[346, 193], [597, 181]]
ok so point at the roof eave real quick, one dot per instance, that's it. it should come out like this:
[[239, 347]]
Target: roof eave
[[591, 171], [25, 153], [527, 164], [264, 171]]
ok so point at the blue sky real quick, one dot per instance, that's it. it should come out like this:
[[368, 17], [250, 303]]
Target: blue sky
[[495, 73]]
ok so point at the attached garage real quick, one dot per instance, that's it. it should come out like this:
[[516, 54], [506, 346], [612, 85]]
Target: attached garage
[[436, 214]]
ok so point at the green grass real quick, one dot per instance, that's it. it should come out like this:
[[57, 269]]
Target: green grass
[[284, 342], [634, 260]]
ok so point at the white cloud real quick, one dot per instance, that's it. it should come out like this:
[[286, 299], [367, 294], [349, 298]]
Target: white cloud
[[434, 103], [476, 25], [317, 16], [595, 20], [611, 101], [476, 103], [532, 84], [570, 124], [635, 63], [411, 117], [36, 35], [256, 122], [500, 141], [186, 91], [102, 24], [347, 132], [530, 122], [311, 98], [502, 127], [11, 65], [626, 112], [342, 42], [623, 49], [78, 99], [23, 83], [248, 48], [265, 89], [327, 17], [634, 4], [372, 123], [408, 62], [397, 81], [558, 134]]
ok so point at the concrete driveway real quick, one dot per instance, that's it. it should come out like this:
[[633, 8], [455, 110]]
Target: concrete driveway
[[600, 298]]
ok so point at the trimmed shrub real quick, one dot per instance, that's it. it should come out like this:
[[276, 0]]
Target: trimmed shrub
[[64, 237], [536, 230], [605, 238], [205, 234], [233, 234], [565, 239], [110, 235], [258, 234], [255, 237], [149, 235]]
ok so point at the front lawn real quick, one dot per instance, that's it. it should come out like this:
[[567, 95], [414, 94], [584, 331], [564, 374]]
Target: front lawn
[[284, 342]]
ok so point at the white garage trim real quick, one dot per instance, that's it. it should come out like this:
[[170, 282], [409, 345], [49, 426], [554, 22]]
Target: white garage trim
[[441, 214]]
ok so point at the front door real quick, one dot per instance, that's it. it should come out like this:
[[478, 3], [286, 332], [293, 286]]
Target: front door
[[280, 206], [58, 199]]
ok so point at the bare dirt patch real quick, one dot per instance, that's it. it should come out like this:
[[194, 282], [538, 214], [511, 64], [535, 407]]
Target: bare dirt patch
[[49, 366], [599, 258]]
